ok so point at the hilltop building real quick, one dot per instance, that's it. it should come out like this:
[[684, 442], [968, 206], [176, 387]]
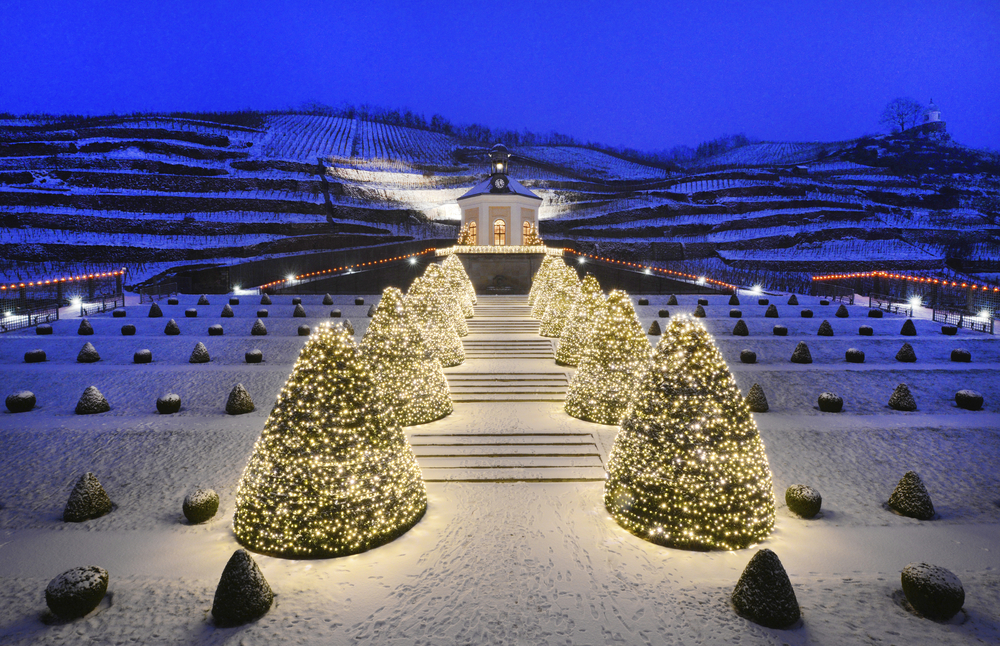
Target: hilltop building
[[499, 211], [932, 121]]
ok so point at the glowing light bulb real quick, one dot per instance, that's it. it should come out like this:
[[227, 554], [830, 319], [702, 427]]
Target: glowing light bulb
[[915, 301]]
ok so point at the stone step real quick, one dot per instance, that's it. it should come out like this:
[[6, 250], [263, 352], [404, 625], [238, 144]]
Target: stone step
[[515, 474]]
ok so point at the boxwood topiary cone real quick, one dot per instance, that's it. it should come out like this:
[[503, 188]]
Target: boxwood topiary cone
[[20, 402], [128, 330], [76, 592], [227, 311], [735, 314], [199, 354], [88, 500], [200, 505], [830, 403], [934, 592], [842, 312], [764, 594], [801, 354], [239, 401], [793, 300], [825, 329], [908, 328], [143, 356], [734, 300], [961, 355], [803, 500], [92, 402], [699, 312], [258, 328], [772, 312], [654, 329], [350, 327], [910, 498], [740, 329], [85, 329], [154, 311], [88, 354], [253, 356], [172, 328], [371, 310], [265, 299], [969, 399], [902, 399], [203, 300], [168, 404], [299, 312], [756, 400], [34, 356], [779, 330], [748, 356], [906, 354], [328, 300], [874, 314], [853, 355], [242, 594], [672, 300]]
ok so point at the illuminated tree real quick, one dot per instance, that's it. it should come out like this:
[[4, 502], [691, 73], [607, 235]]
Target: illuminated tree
[[688, 467], [460, 284], [612, 362], [538, 279], [557, 312], [581, 320], [465, 236], [435, 280], [531, 238], [407, 376], [332, 472], [558, 272], [430, 312]]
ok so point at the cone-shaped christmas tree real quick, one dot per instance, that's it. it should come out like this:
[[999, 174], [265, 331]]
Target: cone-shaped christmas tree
[[688, 467], [435, 279], [580, 322], [407, 376], [453, 266], [538, 279], [332, 473], [429, 312], [546, 288], [613, 362], [560, 304]]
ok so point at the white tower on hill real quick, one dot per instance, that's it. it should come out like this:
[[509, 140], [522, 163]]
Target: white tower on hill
[[932, 114]]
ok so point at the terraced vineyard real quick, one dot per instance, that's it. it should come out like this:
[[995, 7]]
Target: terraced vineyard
[[157, 193]]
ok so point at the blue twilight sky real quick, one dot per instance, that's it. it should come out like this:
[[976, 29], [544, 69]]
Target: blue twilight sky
[[648, 75]]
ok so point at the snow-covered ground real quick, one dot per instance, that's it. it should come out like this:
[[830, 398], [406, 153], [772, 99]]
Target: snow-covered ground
[[497, 563]]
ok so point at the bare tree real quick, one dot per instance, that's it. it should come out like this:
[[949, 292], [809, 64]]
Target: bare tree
[[901, 113]]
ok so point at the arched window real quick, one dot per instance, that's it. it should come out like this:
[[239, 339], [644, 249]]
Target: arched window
[[473, 233], [499, 233], [525, 231]]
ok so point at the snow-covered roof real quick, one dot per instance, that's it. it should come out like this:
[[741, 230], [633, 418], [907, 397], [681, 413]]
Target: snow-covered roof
[[483, 188]]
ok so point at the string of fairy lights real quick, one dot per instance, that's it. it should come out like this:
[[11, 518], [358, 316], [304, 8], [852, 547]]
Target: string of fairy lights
[[332, 472], [911, 279], [688, 467]]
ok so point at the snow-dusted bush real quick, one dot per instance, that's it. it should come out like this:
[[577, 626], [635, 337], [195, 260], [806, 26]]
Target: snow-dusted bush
[[258, 328], [203, 300], [242, 594], [830, 403], [806, 314], [699, 312], [253, 356], [756, 399], [933, 591], [335, 314], [748, 356], [910, 498], [359, 301], [296, 300], [801, 353], [866, 330], [735, 314], [772, 311], [85, 328], [215, 330], [200, 505], [88, 354], [142, 356], [173, 301], [304, 330], [672, 300], [328, 300], [960, 355], [803, 500], [703, 301], [645, 301], [265, 299], [371, 310], [825, 329], [233, 300], [764, 594], [76, 592], [239, 401], [20, 402], [34, 356], [88, 500], [227, 312], [118, 313], [842, 312], [43, 329], [908, 329], [779, 330], [741, 329], [793, 300], [654, 329], [154, 311], [663, 314], [199, 354], [92, 402], [172, 328], [874, 314], [969, 399], [191, 312], [902, 399], [168, 404], [763, 301], [128, 330], [299, 312], [906, 353], [949, 330], [853, 355], [734, 300]]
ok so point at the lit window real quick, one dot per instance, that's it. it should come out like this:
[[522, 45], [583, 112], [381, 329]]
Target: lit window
[[499, 233], [473, 233], [525, 230]]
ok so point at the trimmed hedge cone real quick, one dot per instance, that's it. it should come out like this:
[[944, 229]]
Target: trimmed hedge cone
[[243, 593], [199, 354], [793, 300], [910, 498], [699, 312], [688, 467], [227, 311], [328, 300], [772, 312], [825, 329], [239, 402], [88, 354], [741, 329], [172, 328], [734, 300], [906, 354], [87, 501], [842, 312], [92, 402], [76, 592], [764, 594], [154, 311], [85, 328], [258, 328], [265, 299], [908, 328], [801, 354], [756, 400], [803, 500], [654, 329], [933, 591], [902, 399]]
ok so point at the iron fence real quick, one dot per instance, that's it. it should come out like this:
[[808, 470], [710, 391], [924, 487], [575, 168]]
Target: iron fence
[[101, 304], [157, 291], [18, 315], [960, 319]]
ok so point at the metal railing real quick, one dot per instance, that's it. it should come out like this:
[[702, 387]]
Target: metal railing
[[103, 303], [961, 319], [890, 304], [833, 292], [20, 316], [158, 291]]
